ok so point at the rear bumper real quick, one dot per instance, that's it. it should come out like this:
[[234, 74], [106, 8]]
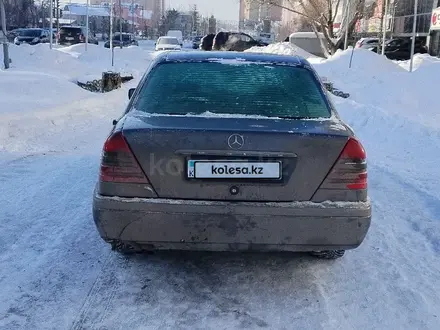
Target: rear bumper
[[225, 226]]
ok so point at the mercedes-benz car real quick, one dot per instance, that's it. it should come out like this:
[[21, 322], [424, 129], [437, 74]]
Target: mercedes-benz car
[[231, 151]]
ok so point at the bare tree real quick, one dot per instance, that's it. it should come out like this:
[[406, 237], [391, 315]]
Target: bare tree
[[321, 16]]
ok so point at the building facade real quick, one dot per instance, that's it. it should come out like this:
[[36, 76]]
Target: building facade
[[252, 13]]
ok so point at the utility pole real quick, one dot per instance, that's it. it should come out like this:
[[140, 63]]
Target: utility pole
[[87, 24], [413, 42], [5, 40], [120, 24], [132, 16], [347, 24], [51, 23], [57, 13], [111, 31], [385, 20]]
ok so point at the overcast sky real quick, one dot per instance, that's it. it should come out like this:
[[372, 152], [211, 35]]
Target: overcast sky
[[221, 9]]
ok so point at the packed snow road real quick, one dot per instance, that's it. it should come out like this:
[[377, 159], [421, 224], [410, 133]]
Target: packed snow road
[[56, 273]]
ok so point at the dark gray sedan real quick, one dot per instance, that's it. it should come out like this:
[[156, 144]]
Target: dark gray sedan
[[232, 151]]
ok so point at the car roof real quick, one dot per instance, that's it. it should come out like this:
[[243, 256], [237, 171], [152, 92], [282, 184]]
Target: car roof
[[214, 56]]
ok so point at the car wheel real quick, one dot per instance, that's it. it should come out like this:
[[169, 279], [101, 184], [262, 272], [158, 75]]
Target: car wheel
[[330, 254]]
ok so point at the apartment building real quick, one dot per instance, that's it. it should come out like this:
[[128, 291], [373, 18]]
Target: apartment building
[[252, 13]]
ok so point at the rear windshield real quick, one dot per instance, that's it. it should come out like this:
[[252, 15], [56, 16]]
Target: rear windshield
[[168, 41], [70, 30], [125, 37], [232, 88]]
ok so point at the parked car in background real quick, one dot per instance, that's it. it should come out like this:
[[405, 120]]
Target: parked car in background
[[54, 34], [196, 42], [308, 41], [367, 43], [176, 34], [266, 38], [32, 36], [234, 41], [206, 42], [72, 35], [11, 35], [400, 48], [128, 39], [168, 43], [204, 174]]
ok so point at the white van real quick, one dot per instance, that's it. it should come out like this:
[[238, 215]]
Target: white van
[[176, 34], [308, 41]]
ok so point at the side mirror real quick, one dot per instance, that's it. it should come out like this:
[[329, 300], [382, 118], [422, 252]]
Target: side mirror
[[131, 92]]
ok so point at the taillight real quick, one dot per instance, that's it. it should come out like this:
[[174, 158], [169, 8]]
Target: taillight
[[58, 36], [350, 170], [118, 163]]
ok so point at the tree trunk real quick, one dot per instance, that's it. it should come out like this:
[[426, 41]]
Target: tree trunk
[[110, 81]]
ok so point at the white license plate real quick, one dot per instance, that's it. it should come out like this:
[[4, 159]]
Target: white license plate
[[200, 169], [70, 38]]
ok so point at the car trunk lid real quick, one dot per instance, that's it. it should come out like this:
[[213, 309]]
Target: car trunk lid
[[287, 160]]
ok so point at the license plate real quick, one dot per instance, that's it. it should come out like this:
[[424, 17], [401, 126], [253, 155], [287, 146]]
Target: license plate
[[69, 38], [201, 169]]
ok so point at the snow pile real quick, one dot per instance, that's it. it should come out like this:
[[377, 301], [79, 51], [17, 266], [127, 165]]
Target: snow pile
[[40, 100], [129, 60], [74, 61], [282, 48], [379, 82], [419, 60]]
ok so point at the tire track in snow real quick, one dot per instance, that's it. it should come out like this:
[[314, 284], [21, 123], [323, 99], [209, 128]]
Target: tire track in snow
[[89, 302]]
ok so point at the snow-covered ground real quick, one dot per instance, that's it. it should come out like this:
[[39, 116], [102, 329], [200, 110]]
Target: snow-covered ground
[[56, 273]]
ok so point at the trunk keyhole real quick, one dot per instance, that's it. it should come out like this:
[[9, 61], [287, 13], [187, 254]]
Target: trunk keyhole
[[233, 190]]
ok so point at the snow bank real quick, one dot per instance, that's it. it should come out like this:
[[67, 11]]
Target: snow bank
[[40, 100], [74, 61], [419, 60], [282, 48], [27, 91], [379, 82]]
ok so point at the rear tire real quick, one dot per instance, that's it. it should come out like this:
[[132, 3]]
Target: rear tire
[[329, 255]]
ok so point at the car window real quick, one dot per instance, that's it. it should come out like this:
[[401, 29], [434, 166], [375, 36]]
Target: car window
[[125, 37], [245, 38], [31, 33], [247, 89], [168, 41], [71, 31]]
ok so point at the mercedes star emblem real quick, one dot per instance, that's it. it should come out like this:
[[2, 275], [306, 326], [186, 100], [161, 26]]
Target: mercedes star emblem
[[236, 141]]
